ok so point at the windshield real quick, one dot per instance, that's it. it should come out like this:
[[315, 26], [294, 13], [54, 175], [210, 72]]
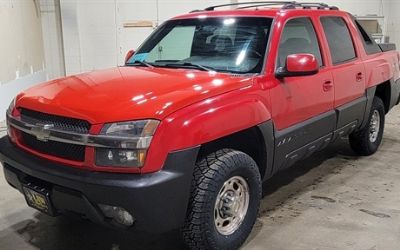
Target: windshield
[[234, 44]]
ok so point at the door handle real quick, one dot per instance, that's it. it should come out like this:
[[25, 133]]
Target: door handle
[[328, 85], [359, 77]]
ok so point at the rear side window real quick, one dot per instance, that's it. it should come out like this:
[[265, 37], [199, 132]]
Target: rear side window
[[298, 36], [370, 45], [339, 39]]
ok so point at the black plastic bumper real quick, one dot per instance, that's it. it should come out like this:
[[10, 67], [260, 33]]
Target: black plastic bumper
[[397, 83], [395, 93], [158, 201]]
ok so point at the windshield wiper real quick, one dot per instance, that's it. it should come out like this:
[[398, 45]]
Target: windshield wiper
[[190, 65], [174, 65], [141, 63]]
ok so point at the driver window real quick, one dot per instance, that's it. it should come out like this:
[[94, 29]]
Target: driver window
[[176, 45], [298, 37]]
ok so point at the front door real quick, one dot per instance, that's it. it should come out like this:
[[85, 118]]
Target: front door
[[302, 107]]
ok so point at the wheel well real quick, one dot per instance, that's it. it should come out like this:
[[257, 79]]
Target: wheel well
[[249, 141], [383, 91]]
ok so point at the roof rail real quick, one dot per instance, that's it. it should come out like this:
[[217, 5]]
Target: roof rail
[[262, 5], [309, 5], [284, 4], [250, 3]]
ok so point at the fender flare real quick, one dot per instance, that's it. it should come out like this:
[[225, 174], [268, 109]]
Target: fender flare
[[203, 122]]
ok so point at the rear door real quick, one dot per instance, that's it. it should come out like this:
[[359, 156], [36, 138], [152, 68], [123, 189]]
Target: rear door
[[347, 68]]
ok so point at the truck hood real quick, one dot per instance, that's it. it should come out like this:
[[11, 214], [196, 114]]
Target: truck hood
[[127, 93]]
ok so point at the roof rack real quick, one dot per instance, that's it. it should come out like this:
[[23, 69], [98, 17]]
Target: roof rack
[[284, 4], [255, 5], [250, 3], [310, 5]]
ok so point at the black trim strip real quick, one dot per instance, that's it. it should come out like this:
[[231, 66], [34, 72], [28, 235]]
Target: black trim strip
[[370, 94], [395, 93], [267, 130], [305, 136], [352, 111]]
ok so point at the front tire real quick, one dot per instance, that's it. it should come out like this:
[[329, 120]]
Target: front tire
[[367, 141], [225, 198]]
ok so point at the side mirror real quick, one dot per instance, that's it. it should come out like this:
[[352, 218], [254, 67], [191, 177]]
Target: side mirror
[[298, 65], [129, 55]]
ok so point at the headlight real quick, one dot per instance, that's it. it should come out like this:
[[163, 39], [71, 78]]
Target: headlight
[[127, 154]]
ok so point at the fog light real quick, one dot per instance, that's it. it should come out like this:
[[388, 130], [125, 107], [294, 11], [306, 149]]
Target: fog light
[[118, 214]]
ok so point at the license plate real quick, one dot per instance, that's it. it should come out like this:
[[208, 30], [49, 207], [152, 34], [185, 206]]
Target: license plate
[[38, 198]]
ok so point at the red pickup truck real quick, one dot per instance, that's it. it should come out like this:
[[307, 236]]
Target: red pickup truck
[[212, 105]]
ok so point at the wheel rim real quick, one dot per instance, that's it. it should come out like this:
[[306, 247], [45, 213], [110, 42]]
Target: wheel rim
[[231, 205], [374, 126]]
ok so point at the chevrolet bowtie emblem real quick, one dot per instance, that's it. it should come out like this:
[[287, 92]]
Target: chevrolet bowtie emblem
[[42, 131]]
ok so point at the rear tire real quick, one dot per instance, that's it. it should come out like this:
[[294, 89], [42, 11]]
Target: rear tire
[[367, 141], [225, 198]]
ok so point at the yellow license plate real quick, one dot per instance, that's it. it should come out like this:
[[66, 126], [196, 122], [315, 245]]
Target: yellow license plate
[[38, 199]]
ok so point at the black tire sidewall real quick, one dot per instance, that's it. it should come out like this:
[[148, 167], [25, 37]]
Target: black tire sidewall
[[360, 141], [377, 106]]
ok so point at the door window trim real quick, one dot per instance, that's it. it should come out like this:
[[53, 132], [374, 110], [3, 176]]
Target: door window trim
[[370, 48], [324, 60], [356, 52]]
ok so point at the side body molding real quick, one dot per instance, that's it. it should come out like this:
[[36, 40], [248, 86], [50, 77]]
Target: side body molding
[[268, 131]]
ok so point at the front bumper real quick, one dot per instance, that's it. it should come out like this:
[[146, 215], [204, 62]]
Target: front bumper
[[158, 201]]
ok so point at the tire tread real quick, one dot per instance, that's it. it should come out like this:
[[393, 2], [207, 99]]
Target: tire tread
[[207, 170], [359, 141]]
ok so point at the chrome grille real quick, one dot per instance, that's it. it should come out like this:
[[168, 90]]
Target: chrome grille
[[59, 122], [54, 148]]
